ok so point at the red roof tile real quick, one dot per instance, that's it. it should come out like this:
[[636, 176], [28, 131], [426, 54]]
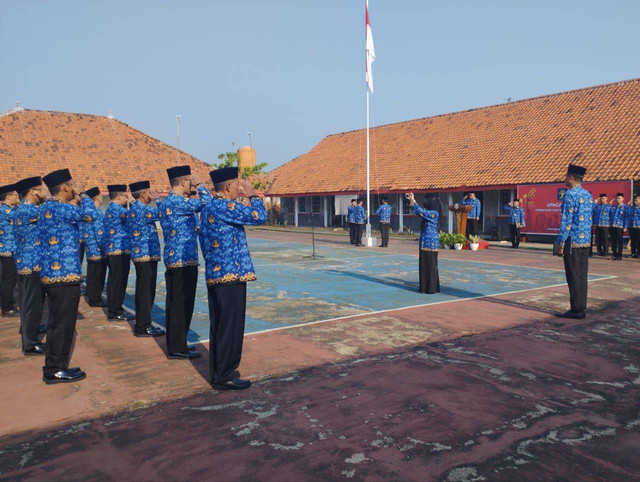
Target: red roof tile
[[528, 141]]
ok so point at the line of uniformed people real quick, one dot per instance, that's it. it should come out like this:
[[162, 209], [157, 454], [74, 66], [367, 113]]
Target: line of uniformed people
[[610, 219], [48, 232]]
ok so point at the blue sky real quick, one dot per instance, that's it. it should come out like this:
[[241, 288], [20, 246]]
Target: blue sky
[[292, 71]]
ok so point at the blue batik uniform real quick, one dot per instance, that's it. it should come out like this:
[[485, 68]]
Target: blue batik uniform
[[602, 215], [619, 216], [633, 220], [351, 214], [95, 237], [226, 254], [359, 215], [25, 219], [516, 215], [475, 208], [59, 240], [178, 221], [7, 239], [429, 239], [384, 211], [118, 236], [575, 224], [145, 245]]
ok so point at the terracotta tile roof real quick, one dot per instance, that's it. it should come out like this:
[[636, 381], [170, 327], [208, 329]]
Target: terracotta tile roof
[[528, 141], [98, 150]]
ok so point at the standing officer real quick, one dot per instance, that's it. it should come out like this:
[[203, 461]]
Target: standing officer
[[516, 222], [359, 218], [59, 242], [118, 251], [384, 211], [228, 269], [25, 219], [145, 254], [473, 216], [95, 240], [633, 224], [8, 202], [574, 240], [602, 223], [178, 221], [352, 222], [619, 214]]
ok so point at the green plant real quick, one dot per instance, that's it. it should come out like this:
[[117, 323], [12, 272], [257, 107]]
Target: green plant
[[446, 239], [473, 239], [459, 239]]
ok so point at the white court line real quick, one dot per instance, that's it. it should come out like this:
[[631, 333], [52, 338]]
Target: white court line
[[369, 313]]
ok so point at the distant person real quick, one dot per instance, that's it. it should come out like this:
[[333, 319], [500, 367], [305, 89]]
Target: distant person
[[429, 243], [516, 222], [351, 219], [602, 223], [95, 246], [360, 218], [619, 214], [384, 211], [573, 240], [633, 224], [473, 216], [8, 202]]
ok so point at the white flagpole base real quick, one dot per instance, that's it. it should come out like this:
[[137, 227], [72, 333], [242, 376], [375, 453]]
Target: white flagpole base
[[370, 241]]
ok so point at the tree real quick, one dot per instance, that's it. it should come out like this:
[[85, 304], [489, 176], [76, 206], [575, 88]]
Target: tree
[[255, 174]]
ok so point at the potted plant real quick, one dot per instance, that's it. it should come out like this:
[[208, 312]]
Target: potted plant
[[474, 242], [459, 241]]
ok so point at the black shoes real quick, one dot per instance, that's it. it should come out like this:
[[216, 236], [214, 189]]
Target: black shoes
[[69, 375], [235, 384], [99, 304], [37, 349], [184, 355], [120, 317], [11, 313], [575, 315], [151, 331]]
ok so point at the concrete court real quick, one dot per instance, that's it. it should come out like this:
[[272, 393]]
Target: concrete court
[[397, 395]]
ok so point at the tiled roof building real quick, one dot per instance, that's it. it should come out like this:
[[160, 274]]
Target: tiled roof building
[[99, 150]]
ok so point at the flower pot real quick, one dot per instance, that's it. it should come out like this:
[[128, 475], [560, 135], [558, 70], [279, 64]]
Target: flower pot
[[474, 246], [458, 246]]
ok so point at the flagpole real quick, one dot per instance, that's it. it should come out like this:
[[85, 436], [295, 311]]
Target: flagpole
[[368, 188]]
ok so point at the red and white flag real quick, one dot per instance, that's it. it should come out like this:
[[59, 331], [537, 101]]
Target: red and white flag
[[370, 53]]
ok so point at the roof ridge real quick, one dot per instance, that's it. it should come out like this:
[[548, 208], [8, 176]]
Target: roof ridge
[[493, 106]]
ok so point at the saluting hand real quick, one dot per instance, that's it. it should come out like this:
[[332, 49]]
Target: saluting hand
[[246, 188], [195, 180]]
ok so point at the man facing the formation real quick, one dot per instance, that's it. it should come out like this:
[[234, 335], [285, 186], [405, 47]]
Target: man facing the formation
[[8, 203], [384, 211]]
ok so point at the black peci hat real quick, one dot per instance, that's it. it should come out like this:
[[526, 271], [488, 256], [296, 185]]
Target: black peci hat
[[8, 188], [576, 170], [178, 171], [353, 200], [92, 191], [26, 184], [224, 174], [56, 178], [117, 188], [621, 194], [603, 195], [139, 186]]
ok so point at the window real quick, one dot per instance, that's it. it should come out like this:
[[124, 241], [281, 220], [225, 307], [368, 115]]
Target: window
[[302, 205], [505, 198], [316, 204], [287, 205]]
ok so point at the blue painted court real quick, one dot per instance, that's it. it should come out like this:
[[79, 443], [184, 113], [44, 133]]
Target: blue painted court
[[292, 290]]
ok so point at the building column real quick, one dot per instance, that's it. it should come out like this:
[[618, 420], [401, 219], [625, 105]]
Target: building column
[[400, 214], [326, 214], [450, 215], [295, 210]]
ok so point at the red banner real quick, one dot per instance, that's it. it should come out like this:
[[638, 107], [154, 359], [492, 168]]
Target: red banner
[[542, 202]]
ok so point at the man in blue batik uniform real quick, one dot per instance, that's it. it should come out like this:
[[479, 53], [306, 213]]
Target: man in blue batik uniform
[[31, 293], [634, 226], [145, 254], [473, 216], [516, 222], [359, 219], [619, 215], [602, 223], [352, 221], [574, 239], [95, 239], [60, 273], [228, 269], [384, 211], [118, 251], [178, 221], [8, 202]]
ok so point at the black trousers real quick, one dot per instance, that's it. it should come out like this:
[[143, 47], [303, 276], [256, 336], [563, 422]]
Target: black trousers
[[352, 233], [429, 276], [61, 327], [635, 240], [576, 268], [146, 275], [117, 282], [31, 305], [616, 241], [227, 306], [81, 251], [514, 235], [8, 281], [602, 239], [181, 295], [472, 227], [359, 232], [384, 233], [96, 274]]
